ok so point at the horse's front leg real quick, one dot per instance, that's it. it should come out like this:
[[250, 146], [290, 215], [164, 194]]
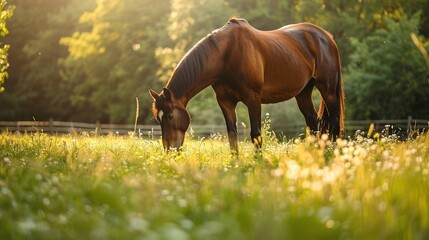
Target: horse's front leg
[[228, 106], [254, 108]]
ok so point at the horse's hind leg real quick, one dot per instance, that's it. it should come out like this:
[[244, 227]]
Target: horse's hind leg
[[305, 104], [329, 113]]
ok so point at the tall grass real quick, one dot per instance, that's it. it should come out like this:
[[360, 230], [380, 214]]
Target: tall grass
[[110, 187]]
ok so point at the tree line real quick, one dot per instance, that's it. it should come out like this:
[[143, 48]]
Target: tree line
[[88, 60]]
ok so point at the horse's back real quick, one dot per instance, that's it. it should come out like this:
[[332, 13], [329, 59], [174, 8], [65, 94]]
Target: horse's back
[[310, 36], [316, 42], [279, 63], [305, 27]]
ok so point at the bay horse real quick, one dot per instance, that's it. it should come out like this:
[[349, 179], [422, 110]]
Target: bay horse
[[244, 64]]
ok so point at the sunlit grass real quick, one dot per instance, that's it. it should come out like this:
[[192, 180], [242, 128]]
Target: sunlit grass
[[98, 187]]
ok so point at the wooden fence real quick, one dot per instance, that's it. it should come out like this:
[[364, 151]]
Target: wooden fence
[[402, 127], [288, 129], [59, 127]]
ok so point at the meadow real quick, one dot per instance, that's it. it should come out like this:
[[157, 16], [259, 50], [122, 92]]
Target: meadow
[[88, 186]]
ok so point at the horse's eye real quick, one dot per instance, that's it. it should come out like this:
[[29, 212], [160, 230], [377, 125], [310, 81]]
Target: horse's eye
[[169, 116]]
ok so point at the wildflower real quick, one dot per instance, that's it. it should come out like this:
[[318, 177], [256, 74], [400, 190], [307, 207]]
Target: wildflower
[[278, 172], [293, 170]]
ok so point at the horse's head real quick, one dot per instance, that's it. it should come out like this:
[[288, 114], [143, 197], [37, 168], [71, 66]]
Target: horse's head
[[172, 116]]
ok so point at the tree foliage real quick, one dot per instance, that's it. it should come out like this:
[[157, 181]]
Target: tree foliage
[[388, 77], [89, 60], [6, 12], [120, 46], [35, 89]]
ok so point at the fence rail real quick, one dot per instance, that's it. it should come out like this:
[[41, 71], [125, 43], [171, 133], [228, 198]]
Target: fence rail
[[399, 126], [289, 129], [59, 127]]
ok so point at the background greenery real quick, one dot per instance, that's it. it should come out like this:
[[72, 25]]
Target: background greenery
[[6, 12], [87, 60]]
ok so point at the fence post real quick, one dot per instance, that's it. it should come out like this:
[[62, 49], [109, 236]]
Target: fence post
[[97, 128], [409, 125], [51, 126]]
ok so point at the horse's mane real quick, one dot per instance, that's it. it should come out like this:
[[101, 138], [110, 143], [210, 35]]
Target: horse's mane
[[195, 60], [191, 65], [185, 74]]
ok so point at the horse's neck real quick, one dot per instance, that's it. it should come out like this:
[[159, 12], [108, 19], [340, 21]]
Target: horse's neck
[[196, 89], [197, 70], [186, 90]]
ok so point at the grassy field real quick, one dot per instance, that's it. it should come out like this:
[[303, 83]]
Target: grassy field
[[110, 187]]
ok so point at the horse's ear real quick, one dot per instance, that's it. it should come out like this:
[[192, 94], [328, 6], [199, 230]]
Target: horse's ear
[[167, 93], [153, 94]]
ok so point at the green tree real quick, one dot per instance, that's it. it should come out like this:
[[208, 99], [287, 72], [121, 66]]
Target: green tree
[[34, 88], [6, 12], [188, 22], [111, 61], [387, 76], [266, 15]]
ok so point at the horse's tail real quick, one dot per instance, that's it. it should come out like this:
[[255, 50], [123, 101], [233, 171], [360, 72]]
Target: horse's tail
[[340, 95], [323, 114]]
